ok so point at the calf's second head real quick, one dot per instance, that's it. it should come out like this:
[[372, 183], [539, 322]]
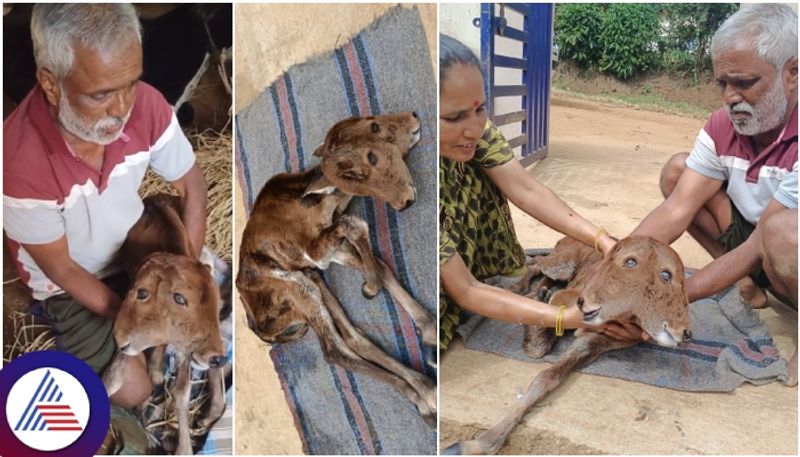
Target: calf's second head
[[641, 281], [365, 156]]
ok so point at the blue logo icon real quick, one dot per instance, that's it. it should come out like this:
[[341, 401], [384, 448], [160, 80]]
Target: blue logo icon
[[54, 406]]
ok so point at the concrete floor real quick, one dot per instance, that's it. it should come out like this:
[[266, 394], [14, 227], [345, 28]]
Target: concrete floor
[[605, 161], [269, 40]]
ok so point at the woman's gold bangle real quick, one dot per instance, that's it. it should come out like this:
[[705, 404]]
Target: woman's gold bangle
[[560, 320], [597, 236]]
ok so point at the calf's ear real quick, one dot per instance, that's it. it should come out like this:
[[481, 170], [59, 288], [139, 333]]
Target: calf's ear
[[320, 186], [558, 265]]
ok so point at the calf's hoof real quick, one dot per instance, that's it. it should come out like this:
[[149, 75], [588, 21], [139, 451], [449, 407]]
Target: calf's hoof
[[538, 341], [159, 393], [454, 449], [429, 419], [369, 292], [209, 419], [792, 381], [430, 356], [544, 294]]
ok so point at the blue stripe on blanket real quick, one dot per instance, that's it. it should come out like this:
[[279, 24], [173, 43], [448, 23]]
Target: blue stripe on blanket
[[245, 172]]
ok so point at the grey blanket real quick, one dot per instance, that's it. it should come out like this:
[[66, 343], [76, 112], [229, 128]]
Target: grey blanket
[[385, 68], [729, 346]]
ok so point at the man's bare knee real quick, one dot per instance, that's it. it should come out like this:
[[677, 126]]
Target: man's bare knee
[[778, 248], [671, 172], [137, 387], [779, 235]]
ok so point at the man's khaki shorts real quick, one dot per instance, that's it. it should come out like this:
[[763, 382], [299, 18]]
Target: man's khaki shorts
[[736, 234]]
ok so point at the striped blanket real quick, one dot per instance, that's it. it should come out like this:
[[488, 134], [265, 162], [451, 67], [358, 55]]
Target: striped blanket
[[730, 346], [385, 68]]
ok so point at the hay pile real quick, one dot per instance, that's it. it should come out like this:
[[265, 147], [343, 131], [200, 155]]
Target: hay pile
[[26, 334], [214, 152]]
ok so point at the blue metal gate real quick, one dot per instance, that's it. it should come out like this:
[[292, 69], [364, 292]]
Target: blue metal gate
[[533, 88]]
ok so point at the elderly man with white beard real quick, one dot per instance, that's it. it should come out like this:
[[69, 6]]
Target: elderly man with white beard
[[736, 191], [74, 155]]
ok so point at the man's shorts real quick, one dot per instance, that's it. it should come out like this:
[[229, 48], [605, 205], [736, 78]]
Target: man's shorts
[[736, 234], [82, 333]]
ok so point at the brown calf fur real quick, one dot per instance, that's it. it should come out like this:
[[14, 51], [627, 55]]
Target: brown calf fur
[[173, 300], [298, 225], [641, 281]]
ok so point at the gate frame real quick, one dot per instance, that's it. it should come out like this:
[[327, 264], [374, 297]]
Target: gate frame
[[534, 90]]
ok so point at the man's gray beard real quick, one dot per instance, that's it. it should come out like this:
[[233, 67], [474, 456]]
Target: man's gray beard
[[83, 128], [766, 115]]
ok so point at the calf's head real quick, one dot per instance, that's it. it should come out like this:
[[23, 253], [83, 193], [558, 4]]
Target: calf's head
[[364, 156], [173, 300], [641, 281]]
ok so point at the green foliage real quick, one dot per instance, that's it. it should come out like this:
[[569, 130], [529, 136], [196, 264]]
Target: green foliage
[[678, 62], [578, 27], [629, 37], [687, 40]]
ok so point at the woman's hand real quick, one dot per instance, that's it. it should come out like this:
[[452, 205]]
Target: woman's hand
[[625, 331], [607, 243]]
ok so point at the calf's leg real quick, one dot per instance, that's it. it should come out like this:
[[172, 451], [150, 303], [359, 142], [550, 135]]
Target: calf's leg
[[356, 231], [181, 394], [369, 351], [309, 299], [583, 350], [216, 393], [423, 319]]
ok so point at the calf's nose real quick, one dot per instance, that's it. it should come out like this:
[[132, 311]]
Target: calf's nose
[[414, 113], [687, 335], [410, 199], [217, 361]]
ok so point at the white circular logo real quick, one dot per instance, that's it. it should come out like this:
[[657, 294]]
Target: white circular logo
[[47, 409]]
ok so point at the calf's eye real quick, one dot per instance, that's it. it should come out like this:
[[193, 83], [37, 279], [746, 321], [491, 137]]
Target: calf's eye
[[179, 299], [372, 158], [630, 263], [375, 127], [666, 276], [142, 294]]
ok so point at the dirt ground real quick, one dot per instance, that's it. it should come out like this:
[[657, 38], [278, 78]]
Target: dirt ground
[[605, 161], [702, 94]]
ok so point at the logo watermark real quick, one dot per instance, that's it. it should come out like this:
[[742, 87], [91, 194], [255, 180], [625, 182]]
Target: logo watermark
[[54, 405]]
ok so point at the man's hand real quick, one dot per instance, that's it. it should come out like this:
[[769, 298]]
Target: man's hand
[[625, 331], [193, 190]]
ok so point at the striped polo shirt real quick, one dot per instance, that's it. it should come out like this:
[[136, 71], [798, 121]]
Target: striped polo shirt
[[752, 179], [49, 192]]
